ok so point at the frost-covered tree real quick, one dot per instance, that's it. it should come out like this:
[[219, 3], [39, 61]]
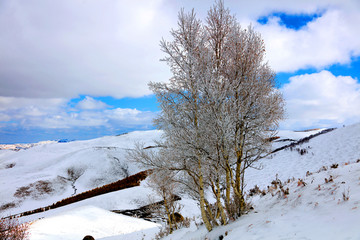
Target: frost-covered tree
[[162, 181], [217, 111]]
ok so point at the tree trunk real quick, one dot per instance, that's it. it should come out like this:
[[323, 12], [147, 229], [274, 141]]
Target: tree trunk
[[168, 214], [202, 204], [219, 204], [228, 184]]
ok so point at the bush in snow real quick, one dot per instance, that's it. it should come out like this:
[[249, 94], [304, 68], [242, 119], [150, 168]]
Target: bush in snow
[[256, 190], [163, 183], [7, 206], [335, 165], [11, 229], [329, 180], [346, 195]]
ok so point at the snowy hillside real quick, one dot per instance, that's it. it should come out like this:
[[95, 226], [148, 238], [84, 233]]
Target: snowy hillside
[[339, 146], [44, 174], [41, 175], [318, 210]]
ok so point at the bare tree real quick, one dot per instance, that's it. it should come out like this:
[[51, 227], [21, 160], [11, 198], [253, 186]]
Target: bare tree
[[163, 181], [218, 110]]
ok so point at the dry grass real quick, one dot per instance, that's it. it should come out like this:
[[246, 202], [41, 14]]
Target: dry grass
[[35, 190], [7, 206]]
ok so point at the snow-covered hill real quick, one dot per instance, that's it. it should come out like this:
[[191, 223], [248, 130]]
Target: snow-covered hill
[[44, 174], [319, 210], [339, 146], [19, 146]]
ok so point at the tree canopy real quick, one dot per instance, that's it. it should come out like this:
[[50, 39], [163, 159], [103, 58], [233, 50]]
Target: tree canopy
[[218, 110]]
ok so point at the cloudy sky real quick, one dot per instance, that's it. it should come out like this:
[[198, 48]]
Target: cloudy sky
[[78, 69]]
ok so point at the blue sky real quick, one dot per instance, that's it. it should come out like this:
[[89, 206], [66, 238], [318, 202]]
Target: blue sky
[[79, 69]]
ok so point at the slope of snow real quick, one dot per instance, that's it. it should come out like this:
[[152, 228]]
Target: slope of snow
[[90, 220], [131, 198], [307, 213], [318, 210], [296, 135], [95, 162], [339, 146]]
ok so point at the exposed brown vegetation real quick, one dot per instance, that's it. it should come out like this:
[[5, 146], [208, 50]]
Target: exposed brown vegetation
[[10, 165], [346, 195], [256, 190], [11, 229], [335, 165], [301, 183], [22, 192], [329, 180], [35, 189], [177, 217], [7, 206]]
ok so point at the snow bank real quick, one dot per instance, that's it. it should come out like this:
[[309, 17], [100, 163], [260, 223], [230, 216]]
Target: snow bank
[[90, 220]]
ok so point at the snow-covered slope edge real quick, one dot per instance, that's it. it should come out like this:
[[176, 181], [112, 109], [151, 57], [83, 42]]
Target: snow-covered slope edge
[[326, 207]]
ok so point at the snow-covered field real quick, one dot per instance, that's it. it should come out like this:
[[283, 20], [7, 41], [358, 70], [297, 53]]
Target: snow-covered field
[[48, 173], [41, 175]]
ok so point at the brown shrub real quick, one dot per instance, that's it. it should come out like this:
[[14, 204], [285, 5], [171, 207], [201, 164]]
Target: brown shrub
[[23, 192], [10, 165], [44, 187], [335, 165], [7, 206], [11, 229], [35, 190], [177, 217], [329, 180], [301, 183]]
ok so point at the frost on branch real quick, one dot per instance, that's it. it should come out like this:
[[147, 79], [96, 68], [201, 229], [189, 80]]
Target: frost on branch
[[217, 111]]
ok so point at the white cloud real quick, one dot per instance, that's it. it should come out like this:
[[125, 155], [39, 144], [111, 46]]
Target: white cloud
[[57, 114], [111, 48], [321, 99], [118, 118], [67, 48], [329, 39], [21, 110], [89, 103], [59, 50], [130, 117], [17, 103]]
